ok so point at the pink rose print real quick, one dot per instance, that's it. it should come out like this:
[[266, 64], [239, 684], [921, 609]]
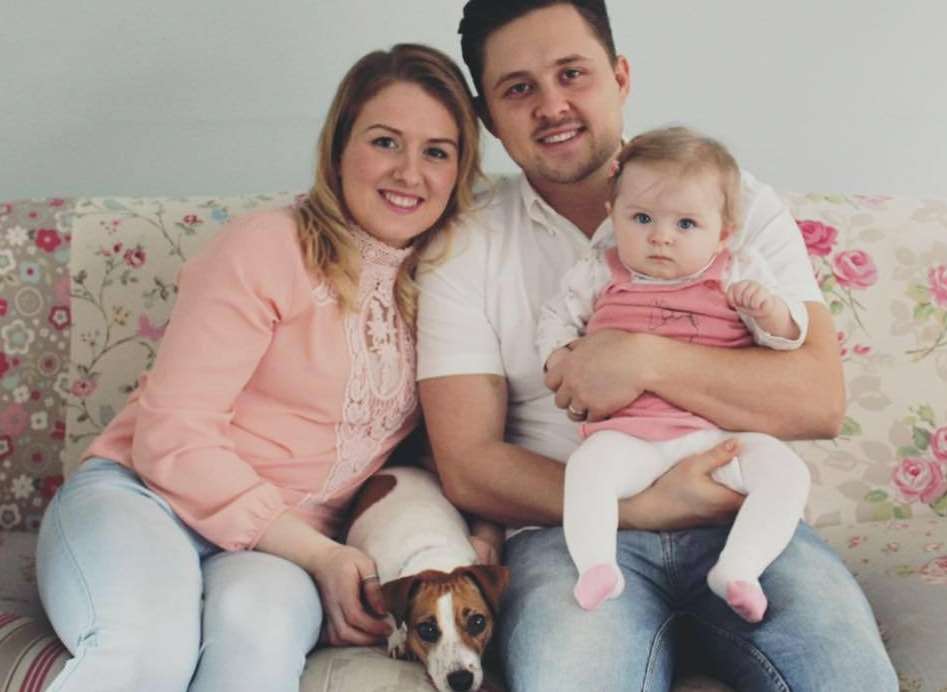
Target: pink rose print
[[49, 485], [939, 444], [47, 239], [148, 330], [818, 237], [83, 388], [854, 269], [937, 283], [134, 257], [935, 571], [919, 479], [4, 306], [14, 420], [192, 219], [56, 202], [4, 364]]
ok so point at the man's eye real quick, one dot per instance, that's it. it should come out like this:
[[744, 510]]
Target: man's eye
[[476, 624], [686, 224], [429, 632], [571, 73], [521, 89], [641, 217], [384, 142]]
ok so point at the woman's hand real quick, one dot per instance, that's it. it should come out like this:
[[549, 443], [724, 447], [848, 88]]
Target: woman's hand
[[487, 540], [351, 596]]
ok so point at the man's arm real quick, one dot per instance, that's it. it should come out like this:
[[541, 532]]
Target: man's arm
[[484, 475], [789, 394]]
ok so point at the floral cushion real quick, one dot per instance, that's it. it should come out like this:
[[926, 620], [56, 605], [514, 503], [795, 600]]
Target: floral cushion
[[35, 320], [882, 266]]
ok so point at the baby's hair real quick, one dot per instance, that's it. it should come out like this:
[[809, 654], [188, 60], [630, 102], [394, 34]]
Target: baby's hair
[[690, 153]]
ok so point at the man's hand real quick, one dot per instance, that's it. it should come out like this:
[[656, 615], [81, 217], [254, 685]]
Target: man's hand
[[601, 373], [686, 496]]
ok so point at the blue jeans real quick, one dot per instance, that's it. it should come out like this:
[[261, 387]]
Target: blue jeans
[[142, 602], [818, 634]]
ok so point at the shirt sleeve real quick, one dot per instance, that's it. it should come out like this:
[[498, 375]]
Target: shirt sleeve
[[455, 335], [230, 298], [563, 318], [770, 230], [750, 265]]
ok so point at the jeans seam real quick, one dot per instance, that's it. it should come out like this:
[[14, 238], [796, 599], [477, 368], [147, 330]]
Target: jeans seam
[[656, 643], [755, 653]]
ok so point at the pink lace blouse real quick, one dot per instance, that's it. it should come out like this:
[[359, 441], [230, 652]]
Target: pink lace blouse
[[265, 397]]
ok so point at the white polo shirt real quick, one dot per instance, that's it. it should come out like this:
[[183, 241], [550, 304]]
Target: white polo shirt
[[479, 307]]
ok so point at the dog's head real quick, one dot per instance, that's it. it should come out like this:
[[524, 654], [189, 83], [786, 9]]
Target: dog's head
[[449, 618]]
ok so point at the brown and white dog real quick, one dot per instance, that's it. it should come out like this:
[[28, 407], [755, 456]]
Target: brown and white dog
[[443, 604]]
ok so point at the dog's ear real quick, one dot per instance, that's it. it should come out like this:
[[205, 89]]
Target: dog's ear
[[398, 595], [492, 581]]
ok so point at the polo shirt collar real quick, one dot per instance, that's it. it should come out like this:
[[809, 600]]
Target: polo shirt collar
[[552, 221]]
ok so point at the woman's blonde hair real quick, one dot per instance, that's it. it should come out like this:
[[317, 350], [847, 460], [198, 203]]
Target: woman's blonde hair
[[322, 217], [690, 153]]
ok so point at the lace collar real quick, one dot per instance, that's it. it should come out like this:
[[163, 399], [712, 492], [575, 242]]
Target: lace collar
[[374, 251]]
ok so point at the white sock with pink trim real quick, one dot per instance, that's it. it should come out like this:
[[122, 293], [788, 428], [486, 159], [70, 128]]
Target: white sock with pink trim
[[598, 584]]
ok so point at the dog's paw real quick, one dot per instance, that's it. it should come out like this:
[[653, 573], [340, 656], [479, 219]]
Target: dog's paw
[[398, 642]]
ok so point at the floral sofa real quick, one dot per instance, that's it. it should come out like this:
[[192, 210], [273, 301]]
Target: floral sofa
[[86, 286]]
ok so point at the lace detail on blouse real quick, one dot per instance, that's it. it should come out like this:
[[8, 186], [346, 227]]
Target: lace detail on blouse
[[380, 393]]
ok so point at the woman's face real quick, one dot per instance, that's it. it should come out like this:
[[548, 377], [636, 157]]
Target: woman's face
[[400, 163]]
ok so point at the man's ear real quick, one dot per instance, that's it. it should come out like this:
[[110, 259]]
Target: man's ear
[[623, 75], [480, 105], [398, 595]]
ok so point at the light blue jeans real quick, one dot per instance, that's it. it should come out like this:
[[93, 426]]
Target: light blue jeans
[[142, 602], [818, 633]]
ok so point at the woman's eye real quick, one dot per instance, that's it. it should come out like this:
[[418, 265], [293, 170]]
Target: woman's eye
[[686, 224], [384, 142], [641, 217], [438, 153], [429, 632]]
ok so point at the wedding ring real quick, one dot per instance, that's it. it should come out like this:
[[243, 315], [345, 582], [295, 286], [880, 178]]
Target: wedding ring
[[576, 416]]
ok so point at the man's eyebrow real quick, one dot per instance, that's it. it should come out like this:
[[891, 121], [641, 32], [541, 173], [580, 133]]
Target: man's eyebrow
[[524, 74], [396, 131]]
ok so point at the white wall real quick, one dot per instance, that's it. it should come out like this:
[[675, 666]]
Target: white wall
[[214, 96]]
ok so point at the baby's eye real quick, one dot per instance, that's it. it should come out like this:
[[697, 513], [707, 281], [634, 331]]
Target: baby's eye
[[686, 224], [641, 217]]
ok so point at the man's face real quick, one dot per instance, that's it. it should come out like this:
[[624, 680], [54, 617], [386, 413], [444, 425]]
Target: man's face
[[554, 98]]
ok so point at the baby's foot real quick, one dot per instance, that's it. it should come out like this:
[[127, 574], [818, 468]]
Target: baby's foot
[[747, 600], [597, 584]]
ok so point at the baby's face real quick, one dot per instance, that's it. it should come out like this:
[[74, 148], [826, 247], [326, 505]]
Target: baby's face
[[667, 226]]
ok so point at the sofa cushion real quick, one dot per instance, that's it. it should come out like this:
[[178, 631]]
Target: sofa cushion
[[30, 654], [35, 325], [882, 265], [902, 568]]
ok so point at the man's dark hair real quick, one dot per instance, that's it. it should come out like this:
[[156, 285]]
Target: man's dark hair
[[483, 17]]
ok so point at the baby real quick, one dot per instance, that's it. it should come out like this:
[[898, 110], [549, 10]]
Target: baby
[[674, 207]]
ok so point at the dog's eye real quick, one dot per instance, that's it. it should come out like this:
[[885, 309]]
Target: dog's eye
[[429, 632], [476, 624]]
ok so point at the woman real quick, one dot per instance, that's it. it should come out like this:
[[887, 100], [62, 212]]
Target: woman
[[194, 548]]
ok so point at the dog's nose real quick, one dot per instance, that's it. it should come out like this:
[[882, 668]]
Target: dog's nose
[[460, 680]]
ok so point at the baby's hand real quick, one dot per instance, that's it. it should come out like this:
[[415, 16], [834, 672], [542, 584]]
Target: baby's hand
[[751, 298]]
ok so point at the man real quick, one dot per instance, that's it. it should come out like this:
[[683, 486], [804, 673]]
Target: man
[[551, 88]]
